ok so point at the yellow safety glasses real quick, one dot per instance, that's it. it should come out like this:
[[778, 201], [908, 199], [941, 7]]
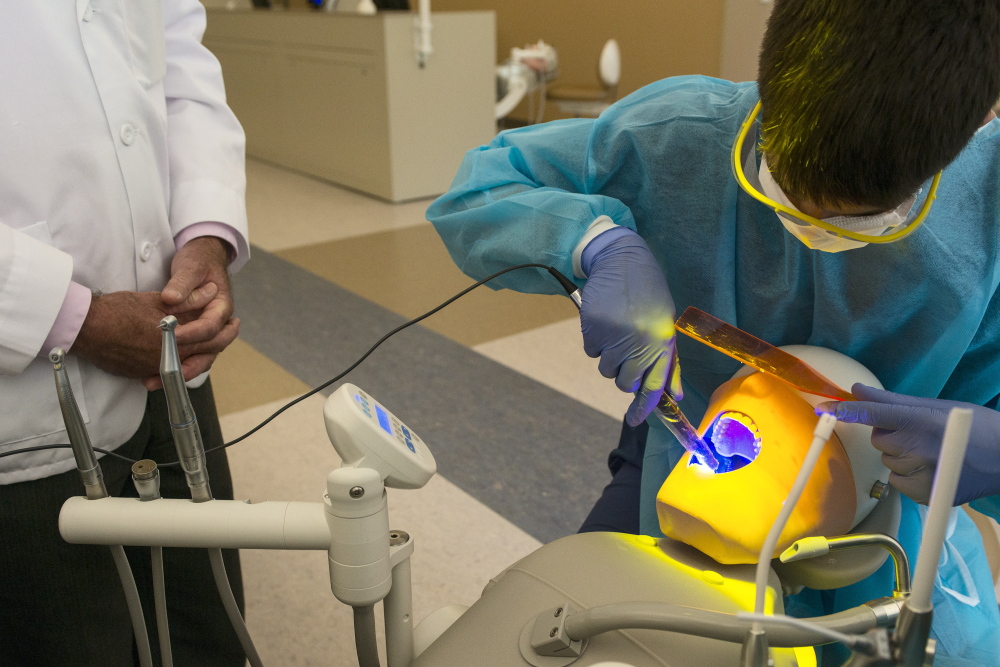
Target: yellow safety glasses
[[741, 178]]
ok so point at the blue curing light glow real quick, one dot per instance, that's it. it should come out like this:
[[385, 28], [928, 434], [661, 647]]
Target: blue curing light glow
[[383, 420], [734, 439]]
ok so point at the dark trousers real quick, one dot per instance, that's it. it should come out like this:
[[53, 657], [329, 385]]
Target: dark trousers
[[617, 510], [62, 604]]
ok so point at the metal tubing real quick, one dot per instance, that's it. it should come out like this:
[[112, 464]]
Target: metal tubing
[[146, 478], [911, 638], [173, 522], [183, 421], [754, 652], [83, 450], [710, 624], [894, 548], [398, 608]]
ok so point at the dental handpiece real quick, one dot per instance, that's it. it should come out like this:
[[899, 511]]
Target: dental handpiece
[[183, 421], [83, 450]]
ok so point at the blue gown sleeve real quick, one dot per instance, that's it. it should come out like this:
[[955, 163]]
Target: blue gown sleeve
[[526, 197]]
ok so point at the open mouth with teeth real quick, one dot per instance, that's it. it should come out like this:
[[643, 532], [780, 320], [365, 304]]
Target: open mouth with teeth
[[734, 439]]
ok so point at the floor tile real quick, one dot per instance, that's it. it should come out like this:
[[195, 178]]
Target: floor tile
[[243, 378], [553, 355], [409, 272], [530, 453], [287, 209]]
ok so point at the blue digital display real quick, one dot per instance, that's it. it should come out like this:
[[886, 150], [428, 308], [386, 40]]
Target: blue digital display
[[383, 419]]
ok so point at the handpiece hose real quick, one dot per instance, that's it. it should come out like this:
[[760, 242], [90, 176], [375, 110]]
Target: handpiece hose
[[191, 453], [83, 450], [93, 482]]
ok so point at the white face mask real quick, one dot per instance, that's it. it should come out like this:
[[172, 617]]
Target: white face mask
[[820, 239]]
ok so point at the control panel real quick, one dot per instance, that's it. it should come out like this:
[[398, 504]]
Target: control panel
[[366, 434]]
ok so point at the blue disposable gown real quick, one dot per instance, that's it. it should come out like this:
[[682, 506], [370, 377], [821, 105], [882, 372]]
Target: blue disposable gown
[[923, 313]]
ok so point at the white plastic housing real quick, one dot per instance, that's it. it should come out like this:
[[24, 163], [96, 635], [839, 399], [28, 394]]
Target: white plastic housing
[[358, 516], [866, 461], [366, 435], [172, 522]]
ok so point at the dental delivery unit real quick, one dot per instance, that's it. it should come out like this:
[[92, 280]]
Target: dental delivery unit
[[744, 515]]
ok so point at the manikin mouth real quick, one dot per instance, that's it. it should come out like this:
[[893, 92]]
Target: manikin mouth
[[734, 439]]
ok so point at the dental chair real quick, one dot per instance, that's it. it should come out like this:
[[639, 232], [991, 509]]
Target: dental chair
[[614, 586], [587, 599]]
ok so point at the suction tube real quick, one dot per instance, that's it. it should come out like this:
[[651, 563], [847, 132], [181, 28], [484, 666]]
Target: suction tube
[[756, 642], [913, 629], [822, 433]]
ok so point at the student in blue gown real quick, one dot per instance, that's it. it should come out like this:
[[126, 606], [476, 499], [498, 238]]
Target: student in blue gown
[[827, 227]]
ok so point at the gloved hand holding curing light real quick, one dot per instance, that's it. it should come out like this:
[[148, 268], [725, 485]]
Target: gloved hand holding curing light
[[627, 319], [908, 431]]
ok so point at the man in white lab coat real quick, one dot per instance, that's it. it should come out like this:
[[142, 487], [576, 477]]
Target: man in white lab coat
[[121, 199]]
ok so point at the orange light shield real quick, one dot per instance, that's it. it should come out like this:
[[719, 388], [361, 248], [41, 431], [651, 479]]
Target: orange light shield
[[758, 354]]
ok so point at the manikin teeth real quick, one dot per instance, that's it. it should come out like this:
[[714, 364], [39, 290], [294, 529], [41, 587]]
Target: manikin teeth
[[736, 433], [732, 415]]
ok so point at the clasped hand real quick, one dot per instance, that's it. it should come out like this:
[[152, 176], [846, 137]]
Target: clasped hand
[[120, 334], [908, 431]]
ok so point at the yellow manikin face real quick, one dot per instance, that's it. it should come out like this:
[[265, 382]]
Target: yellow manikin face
[[762, 428]]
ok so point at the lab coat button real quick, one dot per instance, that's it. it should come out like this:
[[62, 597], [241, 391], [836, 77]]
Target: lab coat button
[[128, 134], [145, 251]]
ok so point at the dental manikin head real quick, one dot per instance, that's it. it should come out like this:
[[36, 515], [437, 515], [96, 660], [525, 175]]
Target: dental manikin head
[[761, 429]]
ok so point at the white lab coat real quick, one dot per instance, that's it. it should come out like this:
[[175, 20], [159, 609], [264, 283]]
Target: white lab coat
[[114, 136]]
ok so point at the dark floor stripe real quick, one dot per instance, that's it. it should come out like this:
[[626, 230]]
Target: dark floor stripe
[[534, 455]]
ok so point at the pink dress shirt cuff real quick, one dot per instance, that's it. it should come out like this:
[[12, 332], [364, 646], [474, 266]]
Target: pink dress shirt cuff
[[70, 319], [216, 229]]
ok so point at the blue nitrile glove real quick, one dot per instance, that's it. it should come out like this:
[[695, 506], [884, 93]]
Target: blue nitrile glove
[[908, 432], [627, 319]]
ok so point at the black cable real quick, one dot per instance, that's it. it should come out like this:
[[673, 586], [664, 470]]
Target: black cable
[[565, 282], [39, 448]]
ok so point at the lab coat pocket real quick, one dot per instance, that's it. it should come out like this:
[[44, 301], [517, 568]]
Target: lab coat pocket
[[29, 403], [145, 30]]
